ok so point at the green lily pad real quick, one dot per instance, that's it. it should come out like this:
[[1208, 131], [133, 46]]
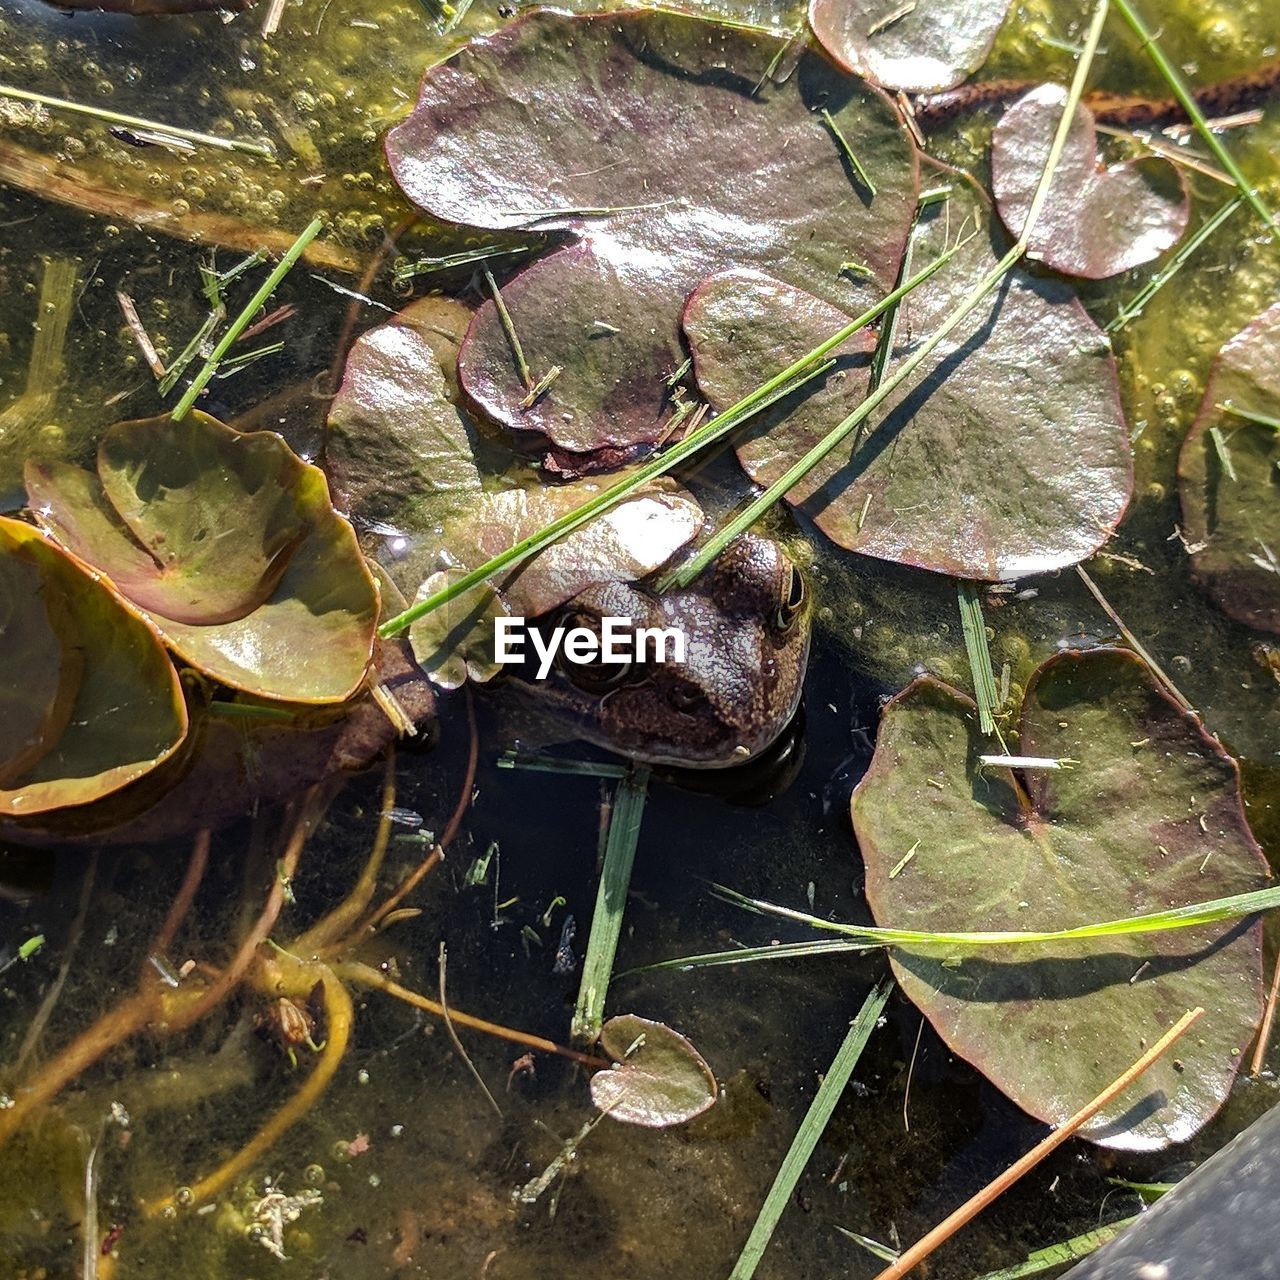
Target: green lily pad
[[918, 48], [1149, 818], [1096, 221], [174, 504], [100, 706], [1229, 475], [660, 1079], [628, 542], [984, 468], [752, 176]]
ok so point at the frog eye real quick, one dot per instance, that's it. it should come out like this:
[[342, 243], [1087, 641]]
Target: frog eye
[[792, 600], [595, 677]]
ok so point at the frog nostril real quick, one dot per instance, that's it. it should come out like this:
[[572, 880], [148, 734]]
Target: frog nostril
[[685, 697]]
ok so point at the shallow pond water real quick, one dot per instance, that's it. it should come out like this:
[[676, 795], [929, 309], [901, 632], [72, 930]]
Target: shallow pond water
[[415, 1171]]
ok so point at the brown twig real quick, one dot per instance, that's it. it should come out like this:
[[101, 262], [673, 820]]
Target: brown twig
[[181, 904], [367, 976], [912, 1257], [1264, 1033], [308, 815], [415, 877], [458, 1047]]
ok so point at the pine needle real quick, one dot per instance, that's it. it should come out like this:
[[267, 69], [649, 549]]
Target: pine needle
[[975, 644]]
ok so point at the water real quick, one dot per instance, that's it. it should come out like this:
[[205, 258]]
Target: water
[[431, 1194]]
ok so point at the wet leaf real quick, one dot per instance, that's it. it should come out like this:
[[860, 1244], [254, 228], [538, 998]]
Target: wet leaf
[[985, 468], [126, 714], [400, 457], [1231, 485], [1150, 818], [746, 179], [660, 1079], [628, 542], [919, 48], [1097, 221], [204, 497]]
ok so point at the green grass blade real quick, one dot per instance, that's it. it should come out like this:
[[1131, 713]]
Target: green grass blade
[[810, 1131], [1055, 1255], [798, 470], [975, 644], [776, 388], [1134, 307], [611, 901], [745, 955], [241, 322], [1196, 913], [1194, 114]]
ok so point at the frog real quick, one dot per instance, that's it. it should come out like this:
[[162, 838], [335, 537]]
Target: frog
[[746, 623]]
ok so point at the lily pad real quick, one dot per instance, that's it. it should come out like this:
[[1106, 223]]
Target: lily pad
[[628, 542], [984, 468], [100, 707], [660, 146], [660, 1079], [918, 48], [396, 451], [1229, 474], [1097, 221], [174, 504], [1149, 818]]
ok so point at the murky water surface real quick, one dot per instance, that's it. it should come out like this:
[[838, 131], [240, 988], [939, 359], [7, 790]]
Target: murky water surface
[[426, 1189]]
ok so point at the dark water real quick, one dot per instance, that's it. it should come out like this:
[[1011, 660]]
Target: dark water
[[431, 1196]]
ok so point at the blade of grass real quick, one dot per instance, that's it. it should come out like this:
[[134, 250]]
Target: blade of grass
[[924, 1247], [798, 470], [404, 271], [745, 955], [242, 321], [776, 388], [509, 328], [611, 901], [1134, 307], [1259, 419], [1189, 916], [811, 1129], [136, 122], [537, 763], [1056, 1255], [975, 644], [1194, 114], [848, 152]]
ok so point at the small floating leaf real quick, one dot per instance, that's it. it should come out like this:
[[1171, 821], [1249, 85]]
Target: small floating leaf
[[1150, 819], [97, 719], [1096, 221], [1232, 523], [747, 179], [918, 47], [195, 495], [659, 1078]]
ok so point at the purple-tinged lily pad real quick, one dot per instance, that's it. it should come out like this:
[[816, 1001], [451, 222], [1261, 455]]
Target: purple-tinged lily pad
[[1148, 818], [1229, 474], [659, 1078], [985, 468], [200, 495], [126, 714], [628, 542], [919, 48], [659, 144], [1096, 221]]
